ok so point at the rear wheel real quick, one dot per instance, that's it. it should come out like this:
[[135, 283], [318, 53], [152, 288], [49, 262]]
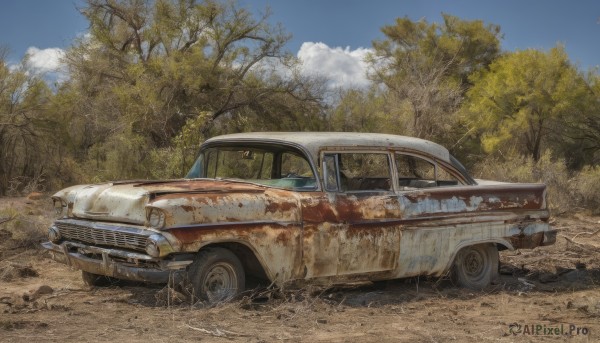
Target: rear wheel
[[476, 266], [216, 275]]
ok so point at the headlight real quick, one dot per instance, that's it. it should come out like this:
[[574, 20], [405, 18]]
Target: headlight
[[54, 234], [59, 207], [158, 246], [156, 218], [152, 248]]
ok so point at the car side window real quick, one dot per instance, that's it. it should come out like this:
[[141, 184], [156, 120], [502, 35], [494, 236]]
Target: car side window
[[444, 178], [239, 163], [330, 170], [415, 172], [357, 172], [293, 165]]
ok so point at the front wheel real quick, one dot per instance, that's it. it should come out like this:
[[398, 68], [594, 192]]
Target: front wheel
[[476, 266], [216, 275]]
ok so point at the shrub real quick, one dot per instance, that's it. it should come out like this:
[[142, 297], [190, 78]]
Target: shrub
[[20, 230], [587, 185]]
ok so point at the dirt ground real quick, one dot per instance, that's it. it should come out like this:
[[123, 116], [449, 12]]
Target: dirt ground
[[547, 294]]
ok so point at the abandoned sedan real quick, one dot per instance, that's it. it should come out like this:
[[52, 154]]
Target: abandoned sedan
[[296, 207]]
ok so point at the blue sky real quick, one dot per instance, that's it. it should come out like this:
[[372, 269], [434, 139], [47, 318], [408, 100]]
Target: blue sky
[[525, 23], [342, 26]]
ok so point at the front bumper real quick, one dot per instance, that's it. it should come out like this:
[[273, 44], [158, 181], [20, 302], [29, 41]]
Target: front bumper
[[115, 263]]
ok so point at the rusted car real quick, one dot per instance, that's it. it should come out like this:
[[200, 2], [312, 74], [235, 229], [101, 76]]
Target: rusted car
[[296, 207]]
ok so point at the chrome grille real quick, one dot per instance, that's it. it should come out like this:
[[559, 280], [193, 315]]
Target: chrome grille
[[98, 236]]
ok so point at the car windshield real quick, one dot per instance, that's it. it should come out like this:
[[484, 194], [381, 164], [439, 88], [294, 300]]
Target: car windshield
[[282, 168]]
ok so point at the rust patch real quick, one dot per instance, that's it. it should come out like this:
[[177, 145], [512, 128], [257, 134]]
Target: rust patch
[[193, 234], [500, 197], [275, 206], [370, 228], [187, 208], [283, 238], [318, 210]]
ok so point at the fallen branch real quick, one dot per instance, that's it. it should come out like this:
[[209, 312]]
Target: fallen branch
[[216, 332], [587, 247], [592, 234]]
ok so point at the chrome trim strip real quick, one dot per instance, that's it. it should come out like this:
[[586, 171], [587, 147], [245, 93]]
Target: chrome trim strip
[[224, 224]]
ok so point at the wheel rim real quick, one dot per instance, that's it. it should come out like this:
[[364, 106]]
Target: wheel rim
[[473, 263], [220, 282]]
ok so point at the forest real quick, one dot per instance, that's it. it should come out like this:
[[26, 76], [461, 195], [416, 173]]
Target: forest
[[153, 79]]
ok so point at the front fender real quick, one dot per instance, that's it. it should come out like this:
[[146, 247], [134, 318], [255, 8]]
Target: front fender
[[276, 245]]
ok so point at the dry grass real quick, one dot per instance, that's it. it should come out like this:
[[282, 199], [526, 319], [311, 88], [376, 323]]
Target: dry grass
[[587, 185], [10, 271], [22, 227]]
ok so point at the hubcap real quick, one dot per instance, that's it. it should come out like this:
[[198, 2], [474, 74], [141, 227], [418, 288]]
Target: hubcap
[[220, 282], [473, 263]]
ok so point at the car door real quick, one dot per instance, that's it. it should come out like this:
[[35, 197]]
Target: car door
[[359, 231], [432, 214]]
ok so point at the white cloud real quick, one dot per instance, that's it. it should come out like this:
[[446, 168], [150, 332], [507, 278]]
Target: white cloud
[[45, 60], [344, 68], [48, 62]]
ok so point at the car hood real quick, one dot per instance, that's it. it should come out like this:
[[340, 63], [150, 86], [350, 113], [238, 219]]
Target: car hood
[[126, 201]]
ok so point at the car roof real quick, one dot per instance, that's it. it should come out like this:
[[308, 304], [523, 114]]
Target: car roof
[[314, 142]]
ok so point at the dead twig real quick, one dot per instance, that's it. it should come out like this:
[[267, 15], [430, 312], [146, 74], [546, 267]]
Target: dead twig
[[592, 234], [216, 332], [12, 257], [586, 247]]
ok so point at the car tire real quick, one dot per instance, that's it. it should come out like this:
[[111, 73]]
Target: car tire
[[96, 280], [476, 266], [216, 275]]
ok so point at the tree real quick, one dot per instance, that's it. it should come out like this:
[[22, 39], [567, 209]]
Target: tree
[[370, 110], [525, 100], [427, 66], [25, 130], [153, 74], [582, 132]]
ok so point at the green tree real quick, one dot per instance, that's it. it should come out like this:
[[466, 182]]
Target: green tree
[[582, 131], [26, 141], [370, 110], [153, 74], [525, 100], [427, 67]]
